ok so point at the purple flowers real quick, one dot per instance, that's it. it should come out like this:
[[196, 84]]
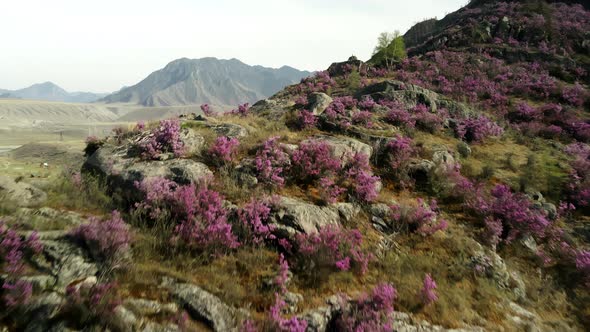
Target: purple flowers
[[306, 119], [108, 240], [242, 110], [421, 218], [574, 95], [428, 291], [313, 160], [13, 249], [361, 181], [370, 312], [16, 294], [254, 216], [206, 227], [162, 139], [207, 110], [333, 247], [89, 301], [271, 161], [224, 149], [12, 253], [477, 129], [202, 219], [515, 212]]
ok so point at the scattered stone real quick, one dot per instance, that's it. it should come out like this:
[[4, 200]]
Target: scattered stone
[[67, 262], [318, 102], [344, 148], [143, 307], [348, 211], [296, 216], [228, 129], [203, 305]]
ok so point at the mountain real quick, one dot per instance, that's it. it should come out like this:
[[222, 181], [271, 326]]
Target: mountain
[[51, 92], [207, 80]]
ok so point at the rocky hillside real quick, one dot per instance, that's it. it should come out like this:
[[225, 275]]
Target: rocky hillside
[[51, 92], [207, 81], [449, 192]]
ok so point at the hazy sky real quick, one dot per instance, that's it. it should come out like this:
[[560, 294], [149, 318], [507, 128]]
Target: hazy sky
[[102, 45]]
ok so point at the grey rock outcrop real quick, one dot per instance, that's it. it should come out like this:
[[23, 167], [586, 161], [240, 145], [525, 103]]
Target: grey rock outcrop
[[343, 147], [204, 305], [318, 102], [122, 168], [296, 216]]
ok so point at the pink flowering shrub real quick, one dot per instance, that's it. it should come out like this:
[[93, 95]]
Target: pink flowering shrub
[[313, 160], [254, 218], [428, 292], [583, 265], [280, 323], [363, 118], [207, 110], [13, 249], [574, 95], [427, 120], [398, 116], [271, 161], [107, 240], [421, 218], [224, 150], [306, 120], [578, 187], [88, 302], [515, 212], [242, 110], [201, 220], [276, 320], [331, 248], [15, 294], [206, 228], [359, 178], [477, 129], [330, 190], [301, 101], [367, 103], [370, 312], [162, 139], [320, 82], [397, 154]]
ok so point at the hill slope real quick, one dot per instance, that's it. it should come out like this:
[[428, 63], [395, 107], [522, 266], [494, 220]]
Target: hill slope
[[207, 80], [51, 92]]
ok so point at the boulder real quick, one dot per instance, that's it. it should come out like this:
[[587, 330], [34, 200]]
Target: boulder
[[343, 147], [272, 109], [489, 264], [21, 193], [122, 170], [228, 129], [319, 319], [295, 216], [203, 305], [193, 141], [144, 307], [318, 102], [67, 262]]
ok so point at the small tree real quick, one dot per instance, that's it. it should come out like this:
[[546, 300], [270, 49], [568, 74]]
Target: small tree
[[390, 48]]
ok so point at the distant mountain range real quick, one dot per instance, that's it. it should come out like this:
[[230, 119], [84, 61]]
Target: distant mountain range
[[51, 92], [207, 80]]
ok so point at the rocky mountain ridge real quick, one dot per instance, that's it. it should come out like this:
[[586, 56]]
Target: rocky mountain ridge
[[207, 81]]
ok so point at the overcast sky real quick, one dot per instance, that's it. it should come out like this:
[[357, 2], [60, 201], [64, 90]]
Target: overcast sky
[[102, 45]]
